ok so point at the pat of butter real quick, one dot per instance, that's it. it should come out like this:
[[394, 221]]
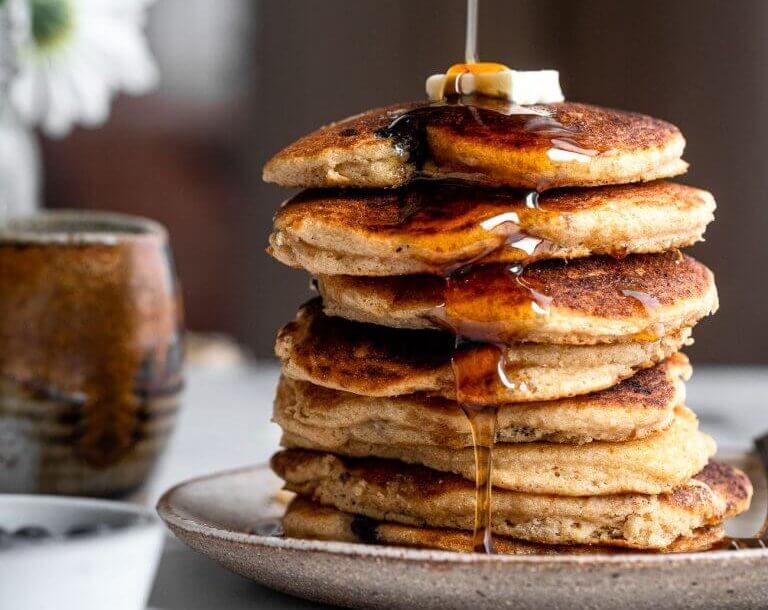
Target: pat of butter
[[517, 86]]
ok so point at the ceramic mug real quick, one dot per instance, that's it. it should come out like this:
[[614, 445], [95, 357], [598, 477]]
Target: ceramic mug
[[90, 352]]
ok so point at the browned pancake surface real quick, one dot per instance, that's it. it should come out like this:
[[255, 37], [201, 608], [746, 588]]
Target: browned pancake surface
[[584, 301], [435, 227], [377, 361], [429, 208], [595, 286], [595, 128], [416, 481], [370, 149], [334, 350], [635, 408]]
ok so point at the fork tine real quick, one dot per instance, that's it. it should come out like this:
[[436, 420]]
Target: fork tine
[[761, 447]]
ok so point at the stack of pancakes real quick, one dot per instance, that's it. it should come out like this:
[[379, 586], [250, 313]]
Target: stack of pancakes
[[577, 289]]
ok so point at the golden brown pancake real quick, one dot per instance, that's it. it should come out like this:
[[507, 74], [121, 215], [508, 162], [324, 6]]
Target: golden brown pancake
[[580, 302], [309, 520], [521, 150], [652, 465], [434, 227], [377, 361], [412, 495], [635, 408]]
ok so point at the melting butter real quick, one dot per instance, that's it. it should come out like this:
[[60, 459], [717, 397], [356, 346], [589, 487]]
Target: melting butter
[[522, 87]]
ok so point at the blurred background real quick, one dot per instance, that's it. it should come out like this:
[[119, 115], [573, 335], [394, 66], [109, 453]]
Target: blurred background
[[242, 78]]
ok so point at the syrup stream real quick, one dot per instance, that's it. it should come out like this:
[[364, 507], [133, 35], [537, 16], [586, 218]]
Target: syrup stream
[[483, 424], [475, 363], [470, 49], [478, 360], [471, 362], [476, 366]]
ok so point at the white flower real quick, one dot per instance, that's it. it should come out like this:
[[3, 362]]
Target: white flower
[[78, 54]]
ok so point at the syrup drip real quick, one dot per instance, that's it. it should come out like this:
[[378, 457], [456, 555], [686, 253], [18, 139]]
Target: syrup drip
[[470, 49], [471, 364], [464, 310], [478, 366], [649, 305], [439, 210]]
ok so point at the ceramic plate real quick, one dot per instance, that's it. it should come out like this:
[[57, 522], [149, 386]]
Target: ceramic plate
[[214, 514]]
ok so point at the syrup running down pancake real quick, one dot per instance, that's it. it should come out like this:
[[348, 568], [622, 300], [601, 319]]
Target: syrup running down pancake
[[437, 227], [484, 140]]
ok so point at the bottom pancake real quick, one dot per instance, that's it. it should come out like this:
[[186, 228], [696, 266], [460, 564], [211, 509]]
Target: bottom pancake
[[413, 495], [309, 520]]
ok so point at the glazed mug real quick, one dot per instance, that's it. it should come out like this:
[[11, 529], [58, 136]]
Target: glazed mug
[[90, 352]]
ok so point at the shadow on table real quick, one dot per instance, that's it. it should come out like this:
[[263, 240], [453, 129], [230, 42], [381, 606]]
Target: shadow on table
[[188, 581]]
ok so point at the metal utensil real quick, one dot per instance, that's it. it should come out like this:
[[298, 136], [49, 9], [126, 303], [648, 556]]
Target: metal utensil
[[760, 540]]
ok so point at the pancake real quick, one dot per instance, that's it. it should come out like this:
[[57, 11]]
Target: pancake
[[580, 302], [412, 495], [434, 228], [651, 465], [386, 147], [635, 408], [377, 361], [309, 520]]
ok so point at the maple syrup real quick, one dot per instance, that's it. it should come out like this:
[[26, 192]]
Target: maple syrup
[[482, 421], [469, 294], [477, 366], [649, 304], [491, 119], [470, 48], [425, 209]]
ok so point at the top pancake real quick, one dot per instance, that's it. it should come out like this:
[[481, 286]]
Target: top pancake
[[436, 227], [518, 150]]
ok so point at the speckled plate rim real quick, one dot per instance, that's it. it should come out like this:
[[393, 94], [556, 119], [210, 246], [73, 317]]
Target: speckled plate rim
[[172, 518]]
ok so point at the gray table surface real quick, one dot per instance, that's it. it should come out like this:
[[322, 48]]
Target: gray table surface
[[225, 424]]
